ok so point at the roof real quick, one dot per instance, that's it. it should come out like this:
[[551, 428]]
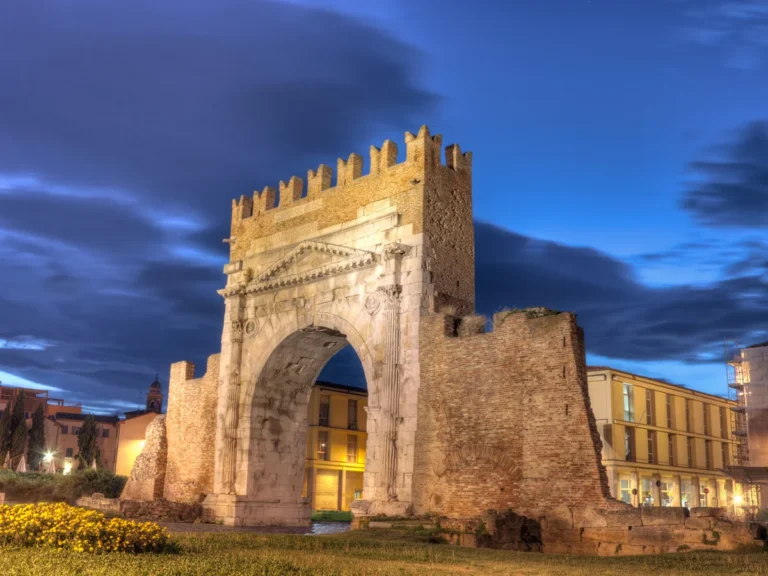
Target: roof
[[762, 344], [137, 413], [659, 380], [342, 388], [81, 417]]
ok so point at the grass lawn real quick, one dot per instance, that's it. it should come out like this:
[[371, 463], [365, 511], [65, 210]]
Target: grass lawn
[[331, 516], [360, 553]]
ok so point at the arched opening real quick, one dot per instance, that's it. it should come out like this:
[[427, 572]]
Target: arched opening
[[307, 425]]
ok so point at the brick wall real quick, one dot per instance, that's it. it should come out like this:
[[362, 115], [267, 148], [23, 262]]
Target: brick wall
[[191, 431], [504, 420]]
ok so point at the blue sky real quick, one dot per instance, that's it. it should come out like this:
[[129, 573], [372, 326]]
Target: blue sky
[[620, 165]]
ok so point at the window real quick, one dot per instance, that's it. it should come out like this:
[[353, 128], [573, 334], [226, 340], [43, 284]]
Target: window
[[723, 423], [26, 414], [626, 490], [670, 410], [649, 416], [647, 491], [671, 448], [629, 403], [352, 414], [323, 449], [689, 447], [666, 493], [686, 493], [651, 446], [65, 429], [707, 454], [105, 433], [352, 448], [702, 495], [69, 452], [629, 444], [707, 431], [724, 452], [687, 415], [325, 410], [75, 431]]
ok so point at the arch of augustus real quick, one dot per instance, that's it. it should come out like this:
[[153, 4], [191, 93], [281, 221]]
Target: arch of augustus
[[459, 420]]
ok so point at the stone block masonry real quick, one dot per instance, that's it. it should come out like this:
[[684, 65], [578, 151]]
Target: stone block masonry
[[191, 430]]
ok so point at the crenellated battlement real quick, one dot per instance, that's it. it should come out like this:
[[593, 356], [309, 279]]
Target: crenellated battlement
[[422, 149]]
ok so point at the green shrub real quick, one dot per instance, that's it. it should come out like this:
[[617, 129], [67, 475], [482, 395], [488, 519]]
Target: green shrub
[[59, 487]]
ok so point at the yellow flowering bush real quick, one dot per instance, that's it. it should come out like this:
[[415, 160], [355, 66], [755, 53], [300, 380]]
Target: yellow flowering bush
[[69, 527]]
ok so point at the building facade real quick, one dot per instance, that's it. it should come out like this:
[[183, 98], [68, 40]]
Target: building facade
[[663, 444], [336, 439], [67, 432]]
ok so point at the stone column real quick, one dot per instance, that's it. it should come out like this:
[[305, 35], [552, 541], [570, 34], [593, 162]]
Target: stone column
[[390, 390], [656, 478], [229, 454]]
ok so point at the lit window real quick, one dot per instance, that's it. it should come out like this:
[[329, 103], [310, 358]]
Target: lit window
[[626, 490], [686, 493], [666, 494], [325, 410], [352, 449], [629, 403], [323, 449], [647, 491]]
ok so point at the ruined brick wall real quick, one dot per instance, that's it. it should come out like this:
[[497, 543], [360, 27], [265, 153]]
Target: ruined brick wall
[[191, 431], [504, 420]]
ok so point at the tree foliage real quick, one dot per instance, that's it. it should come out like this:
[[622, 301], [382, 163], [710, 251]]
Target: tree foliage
[[36, 444], [87, 442], [5, 433], [18, 430]]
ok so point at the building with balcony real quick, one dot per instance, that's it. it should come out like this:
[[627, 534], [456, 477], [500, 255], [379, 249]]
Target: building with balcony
[[663, 444], [336, 437]]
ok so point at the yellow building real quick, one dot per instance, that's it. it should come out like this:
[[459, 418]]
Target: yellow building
[[663, 445], [336, 440], [132, 433]]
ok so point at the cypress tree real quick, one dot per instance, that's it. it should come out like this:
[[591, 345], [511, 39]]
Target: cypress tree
[[5, 432], [18, 430], [88, 449], [36, 445]]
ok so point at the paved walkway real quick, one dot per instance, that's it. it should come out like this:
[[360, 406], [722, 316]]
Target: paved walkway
[[314, 529]]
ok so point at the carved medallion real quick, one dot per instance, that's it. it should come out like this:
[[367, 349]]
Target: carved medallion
[[373, 303], [251, 327]]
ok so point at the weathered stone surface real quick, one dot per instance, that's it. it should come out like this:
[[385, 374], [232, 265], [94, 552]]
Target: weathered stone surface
[[148, 474], [613, 534], [661, 516], [97, 501], [624, 517], [708, 512], [589, 517], [700, 523]]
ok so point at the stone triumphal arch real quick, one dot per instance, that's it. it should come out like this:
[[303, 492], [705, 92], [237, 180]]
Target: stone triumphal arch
[[459, 420], [359, 263]]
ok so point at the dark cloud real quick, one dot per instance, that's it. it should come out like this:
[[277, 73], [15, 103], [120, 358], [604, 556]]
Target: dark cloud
[[126, 128], [622, 318], [730, 188]]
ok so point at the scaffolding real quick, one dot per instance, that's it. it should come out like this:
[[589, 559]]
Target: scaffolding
[[737, 375]]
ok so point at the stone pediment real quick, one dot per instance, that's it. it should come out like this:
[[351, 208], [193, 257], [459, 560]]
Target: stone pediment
[[310, 261]]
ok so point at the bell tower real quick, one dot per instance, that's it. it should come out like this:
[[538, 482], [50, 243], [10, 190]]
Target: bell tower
[[155, 397]]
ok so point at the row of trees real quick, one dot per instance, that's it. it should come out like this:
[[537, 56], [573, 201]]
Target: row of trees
[[14, 435]]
